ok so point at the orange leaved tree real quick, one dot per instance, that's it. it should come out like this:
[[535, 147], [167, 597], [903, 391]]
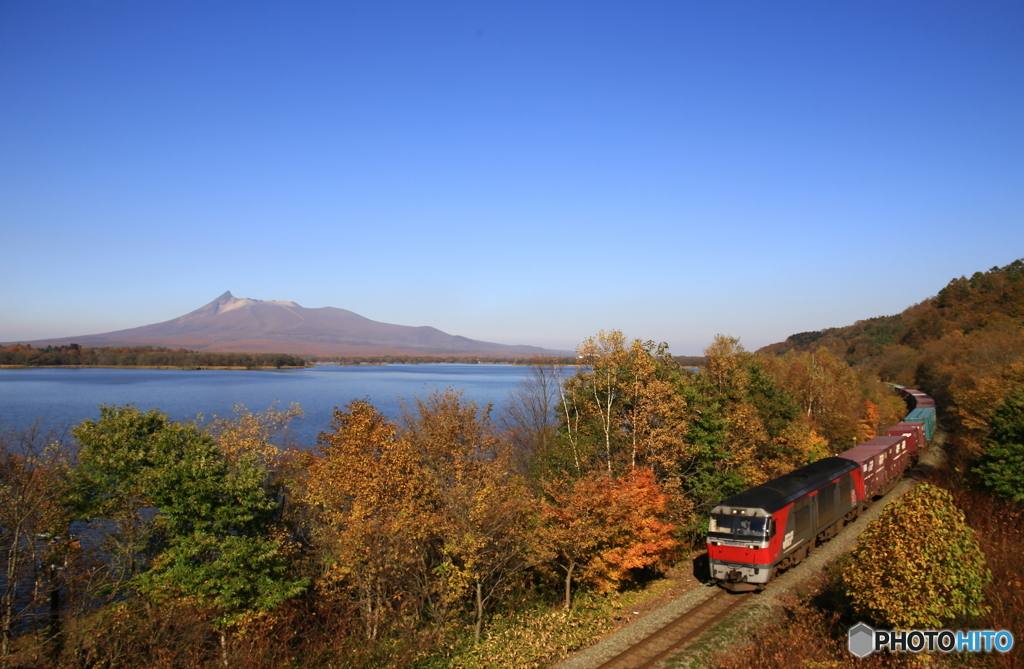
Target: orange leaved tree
[[604, 527]]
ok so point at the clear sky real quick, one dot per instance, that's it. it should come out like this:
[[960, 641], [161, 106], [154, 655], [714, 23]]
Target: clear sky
[[519, 172]]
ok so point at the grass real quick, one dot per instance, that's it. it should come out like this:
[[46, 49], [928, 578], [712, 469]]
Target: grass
[[537, 637]]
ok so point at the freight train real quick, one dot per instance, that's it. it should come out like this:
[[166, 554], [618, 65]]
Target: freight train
[[760, 532]]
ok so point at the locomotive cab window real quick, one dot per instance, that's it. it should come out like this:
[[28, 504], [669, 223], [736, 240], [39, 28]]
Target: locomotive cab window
[[739, 526]]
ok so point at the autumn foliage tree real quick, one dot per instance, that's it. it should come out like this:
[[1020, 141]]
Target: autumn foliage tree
[[33, 524], [976, 400], [251, 434], [571, 528], [371, 522], [1001, 468], [484, 509], [621, 410], [749, 427], [918, 565], [601, 529], [419, 518]]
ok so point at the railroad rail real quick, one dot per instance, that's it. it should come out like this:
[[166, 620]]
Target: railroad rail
[[677, 633]]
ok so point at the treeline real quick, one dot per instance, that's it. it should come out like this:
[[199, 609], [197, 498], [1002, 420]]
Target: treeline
[[684, 360], [427, 359], [434, 540], [139, 356]]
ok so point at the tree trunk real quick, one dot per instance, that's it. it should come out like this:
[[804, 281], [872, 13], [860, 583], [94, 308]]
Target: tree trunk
[[11, 588], [479, 611], [571, 427], [56, 641], [568, 586], [606, 419]]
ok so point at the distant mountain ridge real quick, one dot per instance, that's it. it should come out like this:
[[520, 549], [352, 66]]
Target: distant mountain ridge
[[231, 324]]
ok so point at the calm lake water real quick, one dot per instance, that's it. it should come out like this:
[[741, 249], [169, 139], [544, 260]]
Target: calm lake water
[[64, 397]]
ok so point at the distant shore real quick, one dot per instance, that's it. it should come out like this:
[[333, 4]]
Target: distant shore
[[221, 367]]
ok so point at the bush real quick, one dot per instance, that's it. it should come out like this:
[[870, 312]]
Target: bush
[[918, 564]]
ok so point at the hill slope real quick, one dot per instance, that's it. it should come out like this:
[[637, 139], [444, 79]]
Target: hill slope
[[258, 326], [960, 346], [988, 301]]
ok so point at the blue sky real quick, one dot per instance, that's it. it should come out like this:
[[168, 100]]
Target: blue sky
[[524, 173]]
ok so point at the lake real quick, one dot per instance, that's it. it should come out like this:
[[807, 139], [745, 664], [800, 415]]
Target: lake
[[63, 397]]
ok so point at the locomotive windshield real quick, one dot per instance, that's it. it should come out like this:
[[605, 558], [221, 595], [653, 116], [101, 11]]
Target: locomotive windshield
[[738, 526]]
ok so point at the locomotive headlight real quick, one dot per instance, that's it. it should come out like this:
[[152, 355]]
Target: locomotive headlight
[[753, 546]]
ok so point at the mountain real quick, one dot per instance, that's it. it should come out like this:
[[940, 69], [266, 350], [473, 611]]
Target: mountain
[[271, 326]]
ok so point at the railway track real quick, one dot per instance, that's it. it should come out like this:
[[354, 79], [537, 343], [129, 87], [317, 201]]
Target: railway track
[[677, 633]]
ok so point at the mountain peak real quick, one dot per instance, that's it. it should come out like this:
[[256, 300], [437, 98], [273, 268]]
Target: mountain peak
[[228, 302]]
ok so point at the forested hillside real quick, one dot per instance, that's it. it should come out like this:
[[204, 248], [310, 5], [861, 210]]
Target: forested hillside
[[964, 346]]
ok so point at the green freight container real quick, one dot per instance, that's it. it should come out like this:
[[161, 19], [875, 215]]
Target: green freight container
[[926, 416]]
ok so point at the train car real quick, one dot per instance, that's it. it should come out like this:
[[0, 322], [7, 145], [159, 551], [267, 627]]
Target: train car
[[757, 533], [915, 398], [925, 416], [914, 432], [881, 461]]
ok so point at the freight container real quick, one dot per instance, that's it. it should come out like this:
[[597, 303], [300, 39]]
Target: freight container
[[926, 416], [915, 399], [882, 461], [915, 434]]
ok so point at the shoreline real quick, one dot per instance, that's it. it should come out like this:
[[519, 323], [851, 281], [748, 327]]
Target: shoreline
[[242, 367], [188, 369]]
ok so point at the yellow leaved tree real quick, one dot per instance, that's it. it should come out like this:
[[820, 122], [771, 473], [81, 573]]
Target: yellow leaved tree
[[371, 524], [918, 564], [484, 510]]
